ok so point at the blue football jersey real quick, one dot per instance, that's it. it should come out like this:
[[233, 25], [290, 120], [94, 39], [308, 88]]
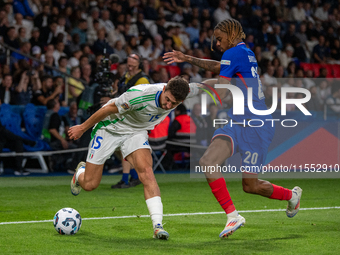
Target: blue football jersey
[[239, 66]]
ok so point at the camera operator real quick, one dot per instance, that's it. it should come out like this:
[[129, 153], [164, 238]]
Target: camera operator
[[100, 92], [134, 75]]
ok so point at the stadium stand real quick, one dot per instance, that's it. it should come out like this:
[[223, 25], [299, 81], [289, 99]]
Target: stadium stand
[[296, 34]]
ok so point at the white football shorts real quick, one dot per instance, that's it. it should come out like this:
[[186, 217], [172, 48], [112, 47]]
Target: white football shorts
[[104, 144]]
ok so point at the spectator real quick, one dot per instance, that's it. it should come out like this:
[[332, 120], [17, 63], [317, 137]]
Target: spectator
[[121, 70], [280, 72], [19, 22], [309, 80], [94, 14], [48, 34], [132, 46], [168, 5], [25, 48], [72, 117], [321, 13], [301, 35], [6, 90], [249, 41], [59, 81], [142, 29], [106, 22], [34, 40], [290, 35], [74, 60], [282, 12], [320, 51], [11, 38], [58, 52], [81, 31], [158, 28], [100, 44], [118, 49], [46, 93], [130, 29], [268, 77], [179, 43], [57, 130], [85, 48], [298, 12], [263, 37], [145, 48], [157, 48], [286, 56], [291, 68], [23, 91], [221, 13], [49, 60], [323, 91], [313, 104], [150, 10], [61, 21], [75, 88], [63, 66], [86, 71], [333, 101], [43, 19], [83, 60], [335, 51], [73, 45], [193, 30], [195, 76], [117, 35]]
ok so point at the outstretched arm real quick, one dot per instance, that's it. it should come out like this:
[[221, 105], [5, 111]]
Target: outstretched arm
[[77, 131], [179, 57]]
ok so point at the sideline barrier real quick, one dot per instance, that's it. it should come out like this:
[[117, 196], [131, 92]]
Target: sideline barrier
[[39, 155]]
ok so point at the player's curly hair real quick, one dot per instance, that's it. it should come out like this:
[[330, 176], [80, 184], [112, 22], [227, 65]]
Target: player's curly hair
[[178, 87], [232, 28]]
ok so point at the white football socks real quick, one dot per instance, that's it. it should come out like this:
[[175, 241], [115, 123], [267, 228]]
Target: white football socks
[[80, 171], [233, 214], [155, 207]]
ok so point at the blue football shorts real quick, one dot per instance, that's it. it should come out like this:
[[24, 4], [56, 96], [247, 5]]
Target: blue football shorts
[[251, 142]]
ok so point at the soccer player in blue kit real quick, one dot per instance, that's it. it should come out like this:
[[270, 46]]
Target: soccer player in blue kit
[[239, 67]]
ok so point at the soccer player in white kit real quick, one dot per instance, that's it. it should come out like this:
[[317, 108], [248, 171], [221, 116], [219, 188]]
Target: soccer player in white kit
[[123, 123]]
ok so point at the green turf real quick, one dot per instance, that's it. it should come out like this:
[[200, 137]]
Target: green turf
[[39, 198]]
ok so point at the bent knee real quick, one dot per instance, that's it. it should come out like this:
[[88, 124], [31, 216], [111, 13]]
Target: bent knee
[[146, 176]]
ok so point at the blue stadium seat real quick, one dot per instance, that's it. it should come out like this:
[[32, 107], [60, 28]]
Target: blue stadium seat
[[11, 121], [34, 119]]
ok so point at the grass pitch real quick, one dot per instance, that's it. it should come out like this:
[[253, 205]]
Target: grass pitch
[[315, 231]]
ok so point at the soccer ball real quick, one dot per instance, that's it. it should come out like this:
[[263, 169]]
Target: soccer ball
[[67, 221]]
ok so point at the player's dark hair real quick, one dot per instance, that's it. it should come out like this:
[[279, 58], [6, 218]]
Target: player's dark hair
[[232, 28], [178, 87]]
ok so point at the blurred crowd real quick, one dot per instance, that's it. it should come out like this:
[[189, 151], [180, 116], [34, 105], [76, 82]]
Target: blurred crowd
[[72, 35], [67, 39]]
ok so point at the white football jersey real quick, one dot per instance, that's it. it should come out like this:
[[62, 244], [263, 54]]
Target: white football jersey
[[139, 109]]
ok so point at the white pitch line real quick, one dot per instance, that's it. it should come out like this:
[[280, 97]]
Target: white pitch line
[[174, 214]]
